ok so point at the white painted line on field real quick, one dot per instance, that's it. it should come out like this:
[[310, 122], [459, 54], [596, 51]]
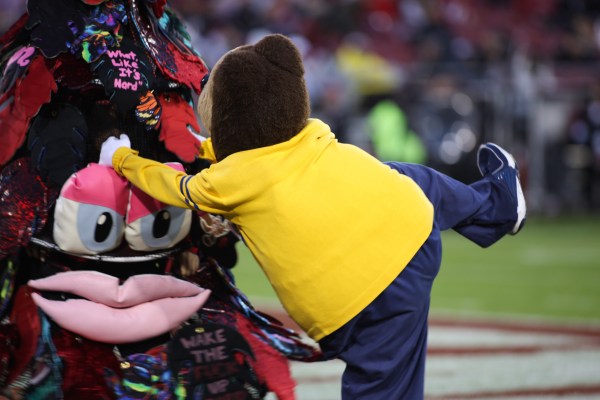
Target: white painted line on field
[[489, 359]]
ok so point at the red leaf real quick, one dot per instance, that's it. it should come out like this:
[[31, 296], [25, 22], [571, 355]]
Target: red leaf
[[159, 6], [18, 107], [35, 89], [190, 68], [177, 115]]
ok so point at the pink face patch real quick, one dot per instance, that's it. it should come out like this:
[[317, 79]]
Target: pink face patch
[[142, 307], [98, 185], [89, 217], [152, 225]]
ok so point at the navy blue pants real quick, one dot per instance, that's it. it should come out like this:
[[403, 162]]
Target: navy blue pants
[[384, 346]]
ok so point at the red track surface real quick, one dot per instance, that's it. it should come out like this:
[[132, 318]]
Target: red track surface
[[488, 359]]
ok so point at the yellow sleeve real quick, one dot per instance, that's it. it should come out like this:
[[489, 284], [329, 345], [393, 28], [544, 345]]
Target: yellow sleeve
[[167, 184], [207, 152]]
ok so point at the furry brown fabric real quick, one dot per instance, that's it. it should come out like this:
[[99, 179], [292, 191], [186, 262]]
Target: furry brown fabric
[[258, 96]]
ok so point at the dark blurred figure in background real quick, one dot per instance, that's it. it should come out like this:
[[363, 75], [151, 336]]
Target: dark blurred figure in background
[[580, 153]]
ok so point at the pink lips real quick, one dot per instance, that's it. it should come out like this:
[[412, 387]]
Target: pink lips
[[142, 307]]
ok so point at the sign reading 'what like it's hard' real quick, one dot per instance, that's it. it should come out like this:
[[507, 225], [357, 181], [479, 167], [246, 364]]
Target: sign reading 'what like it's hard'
[[125, 73]]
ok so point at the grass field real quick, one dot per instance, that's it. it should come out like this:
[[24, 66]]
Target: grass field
[[550, 270]]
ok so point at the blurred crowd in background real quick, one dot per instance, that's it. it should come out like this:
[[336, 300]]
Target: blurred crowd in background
[[429, 80]]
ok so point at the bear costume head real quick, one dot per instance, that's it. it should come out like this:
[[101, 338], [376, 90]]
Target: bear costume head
[[255, 96]]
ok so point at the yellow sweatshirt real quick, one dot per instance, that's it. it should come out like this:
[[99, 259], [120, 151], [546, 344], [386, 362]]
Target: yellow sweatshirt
[[330, 225]]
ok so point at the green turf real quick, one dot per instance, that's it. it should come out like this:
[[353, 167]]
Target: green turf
[[551, 269], [250, 278]]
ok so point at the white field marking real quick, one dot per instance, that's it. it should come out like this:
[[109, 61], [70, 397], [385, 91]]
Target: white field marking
[[463, 339], [504, 373], [489, 359], [470, 316]]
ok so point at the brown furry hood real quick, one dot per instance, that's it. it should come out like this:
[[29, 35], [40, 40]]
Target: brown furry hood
[[258, 96]]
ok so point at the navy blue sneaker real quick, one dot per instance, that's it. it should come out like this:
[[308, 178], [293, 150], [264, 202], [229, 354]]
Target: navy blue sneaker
[[494, 161]]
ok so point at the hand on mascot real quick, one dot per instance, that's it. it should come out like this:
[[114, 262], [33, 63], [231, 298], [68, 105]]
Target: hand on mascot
[[111, 145]]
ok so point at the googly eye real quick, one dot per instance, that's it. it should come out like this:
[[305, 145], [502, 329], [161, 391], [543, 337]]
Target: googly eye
[[88, 218], [159, 229], [152, 225], [86, 228]]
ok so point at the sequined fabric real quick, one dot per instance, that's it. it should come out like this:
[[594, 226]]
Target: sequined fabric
[[24, 204]]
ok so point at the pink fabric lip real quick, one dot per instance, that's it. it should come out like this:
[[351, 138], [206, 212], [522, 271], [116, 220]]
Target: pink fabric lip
[[142, 307], [105, 289], [121, 325]]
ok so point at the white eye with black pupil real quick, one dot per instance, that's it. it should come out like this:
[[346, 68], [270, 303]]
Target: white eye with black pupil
[[161, 229], [87, 228]]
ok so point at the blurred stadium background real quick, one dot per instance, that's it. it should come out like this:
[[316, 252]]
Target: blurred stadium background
[[428, 81]]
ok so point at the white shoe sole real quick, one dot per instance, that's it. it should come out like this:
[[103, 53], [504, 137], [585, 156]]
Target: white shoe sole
[[521, 206]]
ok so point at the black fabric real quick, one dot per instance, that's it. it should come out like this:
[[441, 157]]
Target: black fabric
[[126, 74], [213, 360], [57, 142], [53, 23]]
